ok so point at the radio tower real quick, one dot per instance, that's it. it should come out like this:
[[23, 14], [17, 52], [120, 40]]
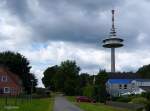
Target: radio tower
[[113, 42]]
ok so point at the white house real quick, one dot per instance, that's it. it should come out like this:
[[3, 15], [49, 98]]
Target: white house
[[118, 87]]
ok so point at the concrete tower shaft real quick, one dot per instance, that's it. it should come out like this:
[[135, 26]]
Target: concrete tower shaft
[[112, 59]]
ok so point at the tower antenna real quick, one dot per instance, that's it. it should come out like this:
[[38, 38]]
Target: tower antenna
[[113, 31]]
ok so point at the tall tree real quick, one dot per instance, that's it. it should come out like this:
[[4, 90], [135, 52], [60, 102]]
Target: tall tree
[[84, 79], [100, 87], [49, 77], [68, 73], [144, 71], [18, 64], [62, 78]]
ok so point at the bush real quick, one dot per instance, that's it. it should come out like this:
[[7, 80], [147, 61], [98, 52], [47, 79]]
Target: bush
[[139, 100], [146, 95], [123, 99], [88, 91], [142, 100], [42, 92]]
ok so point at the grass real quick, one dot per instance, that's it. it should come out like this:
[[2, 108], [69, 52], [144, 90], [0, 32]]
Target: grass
[[34, 105], [71, 98], [95, 106], [98, 107]]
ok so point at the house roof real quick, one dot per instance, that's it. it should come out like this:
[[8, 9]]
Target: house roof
[[143, 80], [123, 76], [126, 81], [119, 81], [13, 76]]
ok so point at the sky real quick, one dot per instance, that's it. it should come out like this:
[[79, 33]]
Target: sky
[[48, 32]]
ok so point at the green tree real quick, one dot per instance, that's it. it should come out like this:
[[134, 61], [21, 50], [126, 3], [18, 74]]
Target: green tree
[[63, 78], [18, 64], [49, 76], [144, 71], [89, 91], [83, 81], [100, 87], [68, 77]]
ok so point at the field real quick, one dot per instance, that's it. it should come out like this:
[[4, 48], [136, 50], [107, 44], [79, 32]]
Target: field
[[33, 105], [94, 107]]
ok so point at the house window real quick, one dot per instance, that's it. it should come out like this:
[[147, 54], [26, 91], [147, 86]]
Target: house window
[[125, 86], [6, 90], [1, 90], [4, 78], [120, 86], [13, 90]]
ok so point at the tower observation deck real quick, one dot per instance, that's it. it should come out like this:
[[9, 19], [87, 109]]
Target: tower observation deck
[[113, 42]]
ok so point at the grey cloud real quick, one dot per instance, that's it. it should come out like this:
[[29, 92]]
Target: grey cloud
[[79, 21], [86, 28], [17, 7]]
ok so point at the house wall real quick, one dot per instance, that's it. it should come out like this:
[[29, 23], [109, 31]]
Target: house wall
[[147, 83], [8, 86], [118, 89]]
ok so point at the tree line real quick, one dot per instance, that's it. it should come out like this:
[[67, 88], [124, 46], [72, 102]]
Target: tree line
[[66, 78]]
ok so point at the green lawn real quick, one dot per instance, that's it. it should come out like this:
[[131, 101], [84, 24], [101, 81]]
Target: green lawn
[[94, 107], [97, 107], [34, 105]]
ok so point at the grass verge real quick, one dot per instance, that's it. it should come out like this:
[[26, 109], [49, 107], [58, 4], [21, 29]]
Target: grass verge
[[95, 106], [34, 105]]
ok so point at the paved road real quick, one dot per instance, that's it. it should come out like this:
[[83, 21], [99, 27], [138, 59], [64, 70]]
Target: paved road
[[62, 104]]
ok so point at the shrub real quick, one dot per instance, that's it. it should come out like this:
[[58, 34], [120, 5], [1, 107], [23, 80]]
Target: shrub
[[146, 95], [42, 92], [139, 100], [88, 91], [142, 100], [123, 99]]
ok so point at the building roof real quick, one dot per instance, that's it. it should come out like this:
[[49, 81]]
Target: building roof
[[119, 81], [143, 80], [123, 76], [13, 76], [126, 81]]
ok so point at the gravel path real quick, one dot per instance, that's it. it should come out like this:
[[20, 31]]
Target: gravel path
[[62, 104]]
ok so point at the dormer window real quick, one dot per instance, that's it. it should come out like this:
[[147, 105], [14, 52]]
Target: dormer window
[[4, 78]]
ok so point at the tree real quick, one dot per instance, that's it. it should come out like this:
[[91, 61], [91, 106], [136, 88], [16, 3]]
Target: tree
[[83, 81], [144, 71], [63, 78], [49, 75], [68, 73], [19, 65], [89, 91], [100, 87]]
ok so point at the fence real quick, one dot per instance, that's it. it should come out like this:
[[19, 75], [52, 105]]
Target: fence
[[13, 101]]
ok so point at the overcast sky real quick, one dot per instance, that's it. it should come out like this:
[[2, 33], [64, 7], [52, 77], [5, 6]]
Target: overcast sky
[[50, 31]]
